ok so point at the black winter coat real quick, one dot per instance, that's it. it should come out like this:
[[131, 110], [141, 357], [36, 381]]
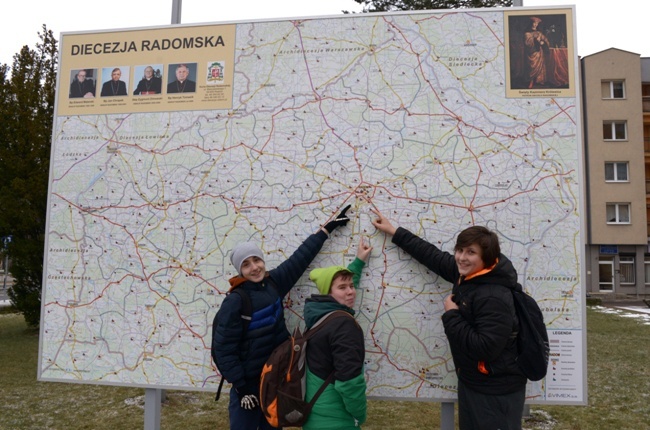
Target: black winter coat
[[482, 332]]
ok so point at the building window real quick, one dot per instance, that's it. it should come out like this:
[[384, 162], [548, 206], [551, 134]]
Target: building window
[[616, 172], [646, 267], [645, 89], [614, 130], [626, 266], [618, 213], [613, 89]]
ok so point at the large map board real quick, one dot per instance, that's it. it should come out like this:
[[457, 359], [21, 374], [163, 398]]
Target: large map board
[[425, 116]]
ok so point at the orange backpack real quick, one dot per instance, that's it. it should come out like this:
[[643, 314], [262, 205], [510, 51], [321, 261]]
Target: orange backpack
[[282, 386]]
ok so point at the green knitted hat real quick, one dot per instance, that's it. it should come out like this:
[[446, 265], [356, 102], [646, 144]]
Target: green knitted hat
[[323, 277]]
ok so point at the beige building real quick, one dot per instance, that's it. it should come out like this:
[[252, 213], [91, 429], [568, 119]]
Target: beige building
[[617, 163]]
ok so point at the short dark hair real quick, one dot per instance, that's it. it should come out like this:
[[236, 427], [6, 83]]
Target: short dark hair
[[486, 239]]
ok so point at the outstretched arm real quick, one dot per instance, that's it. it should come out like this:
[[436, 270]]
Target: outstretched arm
[[288, 273], [440, 262]]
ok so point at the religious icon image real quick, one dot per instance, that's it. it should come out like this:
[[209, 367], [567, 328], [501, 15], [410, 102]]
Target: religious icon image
[[538, 51]]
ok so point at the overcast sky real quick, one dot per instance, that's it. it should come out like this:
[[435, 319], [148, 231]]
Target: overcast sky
[[601, 24]]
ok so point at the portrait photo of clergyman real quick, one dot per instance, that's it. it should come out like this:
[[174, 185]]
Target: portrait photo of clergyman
[[114, 81], [182, 78], [82, 84], [150, 81]]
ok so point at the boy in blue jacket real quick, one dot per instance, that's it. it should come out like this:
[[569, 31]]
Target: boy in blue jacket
[[241, 353]]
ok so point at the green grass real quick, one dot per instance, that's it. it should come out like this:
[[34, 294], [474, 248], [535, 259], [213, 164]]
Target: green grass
[[618, 379], [618, 366]]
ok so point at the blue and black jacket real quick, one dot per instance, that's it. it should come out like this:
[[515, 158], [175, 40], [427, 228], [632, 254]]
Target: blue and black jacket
[[240, 358]]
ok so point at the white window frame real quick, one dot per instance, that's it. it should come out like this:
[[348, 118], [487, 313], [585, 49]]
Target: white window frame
[[613, 127], [618, 213], [612, 89], [626, 266], [615, 170]]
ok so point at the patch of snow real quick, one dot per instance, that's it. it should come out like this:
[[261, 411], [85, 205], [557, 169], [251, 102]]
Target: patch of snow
[[135, 401], [539, 420]]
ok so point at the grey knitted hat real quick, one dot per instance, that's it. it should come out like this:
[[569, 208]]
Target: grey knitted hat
[[242, 251]]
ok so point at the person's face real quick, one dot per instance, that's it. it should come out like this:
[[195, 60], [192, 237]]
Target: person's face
[[116, 75], [469, 259], [342, 290], [81, 76], [181, 73], [253, 269], [535, 24], [148, 72]]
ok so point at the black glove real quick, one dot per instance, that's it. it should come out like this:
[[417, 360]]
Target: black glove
[[248, 397], [341, 220]]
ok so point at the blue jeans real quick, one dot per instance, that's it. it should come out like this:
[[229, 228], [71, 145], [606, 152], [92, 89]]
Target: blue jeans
[[244, 419]]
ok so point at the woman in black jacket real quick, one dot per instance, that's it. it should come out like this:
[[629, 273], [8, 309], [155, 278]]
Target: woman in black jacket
[[479, 321]]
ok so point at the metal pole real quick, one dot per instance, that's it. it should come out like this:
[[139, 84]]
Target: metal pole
[[3, 247], [177, 5], [152, 408], [4, 282], [153, 398], [447, 416]]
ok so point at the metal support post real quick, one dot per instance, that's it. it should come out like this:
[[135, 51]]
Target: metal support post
[[177, 6], [6, 270], [152, 408], [447, 416]]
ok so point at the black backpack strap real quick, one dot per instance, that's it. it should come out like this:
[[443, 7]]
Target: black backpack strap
[[324, 385], [321, 322], [246, 308], [246, 317], [216, 398]]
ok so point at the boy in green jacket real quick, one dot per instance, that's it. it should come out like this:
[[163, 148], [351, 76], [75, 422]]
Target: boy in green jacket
[[338, 347]]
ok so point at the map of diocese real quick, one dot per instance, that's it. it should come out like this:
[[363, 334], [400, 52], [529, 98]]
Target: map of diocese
[[406, 113]]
